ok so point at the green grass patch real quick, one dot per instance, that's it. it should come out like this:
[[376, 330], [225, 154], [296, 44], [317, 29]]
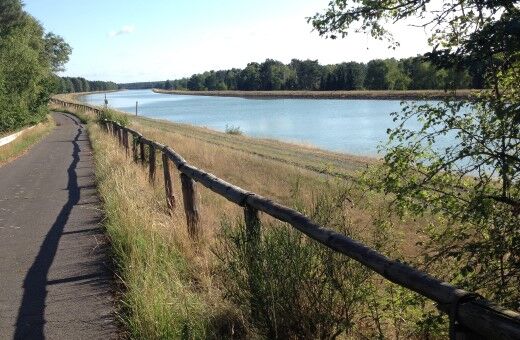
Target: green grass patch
[[113, 115], [292, 287], [20, 145], [164, 293]]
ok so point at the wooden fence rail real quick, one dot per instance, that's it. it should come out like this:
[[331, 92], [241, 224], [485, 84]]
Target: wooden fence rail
[[471, 316]]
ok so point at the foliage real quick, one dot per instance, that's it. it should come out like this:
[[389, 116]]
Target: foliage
[[28, 58], [159, 299], [57, 50], [414, 73], [294, 287], [291, 287], [26, 140], [233, 130], [78, 84], [112, 115], [471, 188]]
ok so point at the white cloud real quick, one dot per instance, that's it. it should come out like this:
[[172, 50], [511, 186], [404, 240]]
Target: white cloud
[[127, 29]]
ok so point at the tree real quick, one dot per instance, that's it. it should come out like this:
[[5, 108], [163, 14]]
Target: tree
[[249, 78], [308, 74], [396, 78], [11, 15], [68, 86], [272, 75], [77, 84], [210, 81], [196, 83], [57, 51], [376, 77], [168, 85], [473, 185], [26, 67], [85, 86]]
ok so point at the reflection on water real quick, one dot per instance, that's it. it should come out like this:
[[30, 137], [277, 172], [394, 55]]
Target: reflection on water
[[351, 126]]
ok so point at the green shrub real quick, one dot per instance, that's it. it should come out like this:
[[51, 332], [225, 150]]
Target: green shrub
[[297, 289], [109, 114], [291, 286], [233, 130]]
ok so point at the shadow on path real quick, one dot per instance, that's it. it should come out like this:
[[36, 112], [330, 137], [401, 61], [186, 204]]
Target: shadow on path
[[31, 315]]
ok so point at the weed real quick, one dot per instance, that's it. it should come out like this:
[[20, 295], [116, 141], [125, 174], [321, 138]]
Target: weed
[[233, 130], [26, 140], [109, 114], [165, 293]]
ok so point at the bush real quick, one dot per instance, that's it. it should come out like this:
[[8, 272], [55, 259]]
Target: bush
[[109, 114], [293, 287], [297, 288], [233, 130]]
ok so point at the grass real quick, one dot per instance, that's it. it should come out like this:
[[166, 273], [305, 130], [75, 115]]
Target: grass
[[24, 142], [276, 170], [86, 116], [168, 292], [233, 130], [301, 156], [177, 288], [83, 115]]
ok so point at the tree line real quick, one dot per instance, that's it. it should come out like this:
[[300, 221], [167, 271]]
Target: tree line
[[143, 85], [415, 73], [29, 59], [78, 84]]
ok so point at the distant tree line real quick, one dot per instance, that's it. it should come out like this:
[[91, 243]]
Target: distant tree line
[[78, 84], [29, 60], [143, 85], [415, 73]]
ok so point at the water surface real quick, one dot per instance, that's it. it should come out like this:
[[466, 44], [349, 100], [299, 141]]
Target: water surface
[[350, 126]]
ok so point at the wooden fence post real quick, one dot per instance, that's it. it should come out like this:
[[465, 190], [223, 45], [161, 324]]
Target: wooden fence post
[[134, 148], [168, 185], [151, 161], [125, 141], [142, 151], [252, 221], [120, 135], [189, 196]]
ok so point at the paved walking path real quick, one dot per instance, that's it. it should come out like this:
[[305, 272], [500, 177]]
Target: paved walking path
[[54, 273]]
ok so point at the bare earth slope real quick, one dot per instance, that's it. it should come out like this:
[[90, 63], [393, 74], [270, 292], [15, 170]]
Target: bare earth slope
[[54, 272]]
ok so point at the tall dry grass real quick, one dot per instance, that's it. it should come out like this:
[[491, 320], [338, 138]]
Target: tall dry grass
[[24, 142], [178, 288], [240, 160], [168, 290]]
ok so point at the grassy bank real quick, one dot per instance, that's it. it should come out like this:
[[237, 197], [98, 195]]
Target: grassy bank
[[177, 288], [167, 292], [24, 142], [373, 94], [75, 96]]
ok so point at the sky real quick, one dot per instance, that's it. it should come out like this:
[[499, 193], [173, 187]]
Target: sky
[[131, 40]]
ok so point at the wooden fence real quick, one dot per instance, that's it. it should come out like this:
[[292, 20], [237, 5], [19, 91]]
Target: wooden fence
[[470, 315]]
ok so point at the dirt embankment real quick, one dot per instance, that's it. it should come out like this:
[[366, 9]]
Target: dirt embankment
[[397, 95]]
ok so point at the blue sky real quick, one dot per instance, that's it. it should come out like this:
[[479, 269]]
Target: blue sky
[[131, 40]]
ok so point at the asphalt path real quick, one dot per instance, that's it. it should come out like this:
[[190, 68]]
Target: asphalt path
[[55, 277]]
